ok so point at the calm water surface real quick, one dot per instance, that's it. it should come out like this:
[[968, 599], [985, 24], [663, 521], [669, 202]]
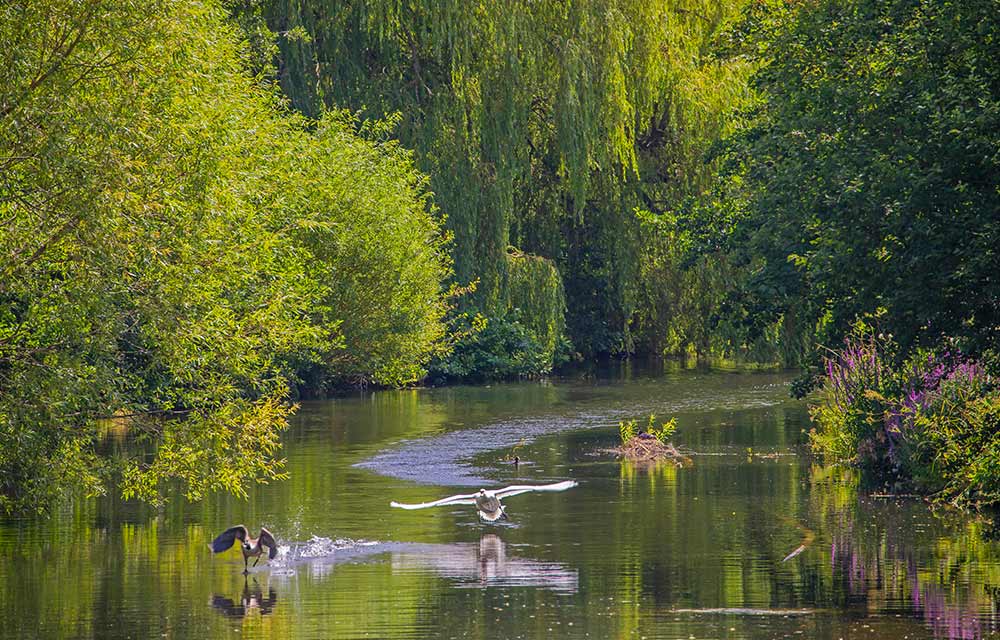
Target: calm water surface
[[750, 541]]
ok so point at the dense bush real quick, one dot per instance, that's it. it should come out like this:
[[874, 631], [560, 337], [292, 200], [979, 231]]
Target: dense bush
[[931, 424], [872, 164], [500, 348], [176, 248]]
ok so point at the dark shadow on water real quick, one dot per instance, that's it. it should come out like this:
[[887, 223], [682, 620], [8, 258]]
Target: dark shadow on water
[[653, 367], [251, 599]]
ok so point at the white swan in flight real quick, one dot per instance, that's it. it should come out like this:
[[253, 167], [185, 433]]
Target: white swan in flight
[[488, 501]]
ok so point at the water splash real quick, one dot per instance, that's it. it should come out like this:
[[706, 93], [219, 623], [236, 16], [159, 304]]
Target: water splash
[[318, 551], [486, 564]]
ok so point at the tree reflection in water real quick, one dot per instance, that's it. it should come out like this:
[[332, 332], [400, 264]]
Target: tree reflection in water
[[894, 567]]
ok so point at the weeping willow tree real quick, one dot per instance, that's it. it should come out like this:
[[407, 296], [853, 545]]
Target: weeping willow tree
[[541, 124], [534, 284]]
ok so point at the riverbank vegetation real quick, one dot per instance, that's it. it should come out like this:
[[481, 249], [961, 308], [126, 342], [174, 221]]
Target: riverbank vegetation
[[870, 169], [840, 161], [651, 444], [179, 251], [554, 136], [930, 425]]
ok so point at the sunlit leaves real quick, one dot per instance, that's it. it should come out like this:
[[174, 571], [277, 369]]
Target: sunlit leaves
[[540, 124], [177, 247]]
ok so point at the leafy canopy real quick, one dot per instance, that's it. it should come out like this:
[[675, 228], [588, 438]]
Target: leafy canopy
[[872, 166], [176, 249]]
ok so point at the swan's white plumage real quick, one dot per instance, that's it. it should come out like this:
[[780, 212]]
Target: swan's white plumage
[[461, 499], [518, 489], [506, 492]]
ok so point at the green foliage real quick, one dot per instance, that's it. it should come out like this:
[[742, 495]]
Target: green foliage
[[956, 447], [499, 348], [204, 453], [871, 166], [666, 430], [870, 172], [524, 339], [175, 248], [680, 302], [628, 429], [535, 292], [931, 424], [541, 125], [363, 215]]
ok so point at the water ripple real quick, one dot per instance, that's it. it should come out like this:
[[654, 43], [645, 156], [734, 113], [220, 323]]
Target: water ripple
[[447, 459]]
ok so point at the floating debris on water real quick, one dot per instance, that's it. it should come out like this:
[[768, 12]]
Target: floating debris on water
[[640, 449]]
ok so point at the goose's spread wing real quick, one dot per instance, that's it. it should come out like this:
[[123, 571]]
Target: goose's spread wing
[[226, 539], [518, 489], [268, 541], [469, 498]]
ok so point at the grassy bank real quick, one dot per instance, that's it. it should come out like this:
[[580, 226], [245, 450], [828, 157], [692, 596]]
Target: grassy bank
[[927, 423]]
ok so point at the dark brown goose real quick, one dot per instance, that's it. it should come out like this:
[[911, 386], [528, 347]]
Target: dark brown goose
[[251, 547]]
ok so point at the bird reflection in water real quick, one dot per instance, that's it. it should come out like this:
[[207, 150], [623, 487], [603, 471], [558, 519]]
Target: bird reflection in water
[[486, 564], [251, 598]]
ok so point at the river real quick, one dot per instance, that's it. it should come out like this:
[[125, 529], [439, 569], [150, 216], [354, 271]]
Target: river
[[752, 540]]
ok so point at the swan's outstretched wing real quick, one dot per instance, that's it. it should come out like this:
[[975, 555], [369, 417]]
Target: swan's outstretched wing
[[506, 492], [518, 489], [460, 499]]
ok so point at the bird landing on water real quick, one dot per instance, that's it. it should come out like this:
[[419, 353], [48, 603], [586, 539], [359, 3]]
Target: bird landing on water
[[251, 547], [487, 501], [489, 507]]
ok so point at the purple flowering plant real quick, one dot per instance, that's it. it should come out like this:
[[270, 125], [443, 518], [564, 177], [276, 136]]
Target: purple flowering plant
[[906, 423]]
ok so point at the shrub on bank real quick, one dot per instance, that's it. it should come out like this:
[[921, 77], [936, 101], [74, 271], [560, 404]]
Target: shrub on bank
[[498, 348], [930, 424], [178, 251]]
